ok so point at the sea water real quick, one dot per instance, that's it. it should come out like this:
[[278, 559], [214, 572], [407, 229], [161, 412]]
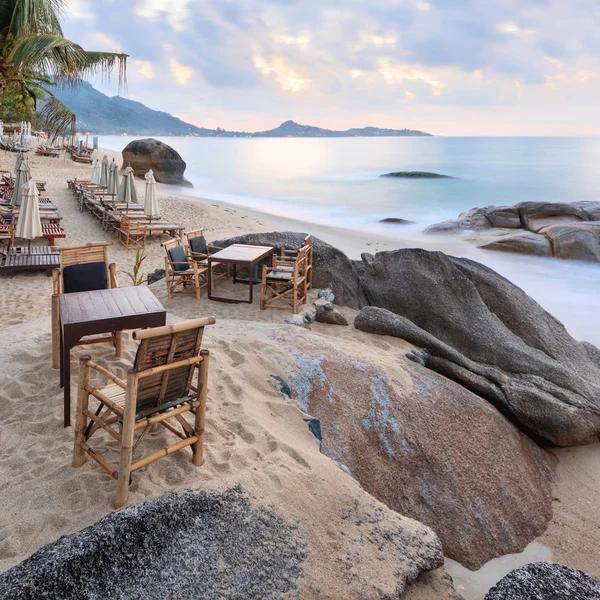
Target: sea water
[[336, 182]]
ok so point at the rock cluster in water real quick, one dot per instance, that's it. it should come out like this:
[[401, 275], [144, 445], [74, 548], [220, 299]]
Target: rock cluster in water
[[416, 175], [561, 230]]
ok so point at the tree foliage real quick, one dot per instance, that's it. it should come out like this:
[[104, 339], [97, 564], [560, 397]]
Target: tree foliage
[[35, 55]]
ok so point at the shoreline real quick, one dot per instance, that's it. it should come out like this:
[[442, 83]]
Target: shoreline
[[571, 537]]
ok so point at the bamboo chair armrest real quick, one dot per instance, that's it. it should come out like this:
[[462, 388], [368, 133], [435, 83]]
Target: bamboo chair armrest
[[211, 247], [190, 263], [112, 269], [107, 374], [175, 365], [199, 255]]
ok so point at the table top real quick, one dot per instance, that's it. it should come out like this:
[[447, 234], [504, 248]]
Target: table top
[[241, 253], [100, 305]]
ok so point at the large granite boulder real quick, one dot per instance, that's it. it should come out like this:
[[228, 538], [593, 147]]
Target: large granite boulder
[[422, 444], [545, 581], [166, 163], [331, 267], [524, 242], [487, 334], [181, 545], [504, 216], [579, 241]]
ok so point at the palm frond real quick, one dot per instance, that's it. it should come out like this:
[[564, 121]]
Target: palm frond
[[47, 53], [36, 16], [105, 63], [58, 118]]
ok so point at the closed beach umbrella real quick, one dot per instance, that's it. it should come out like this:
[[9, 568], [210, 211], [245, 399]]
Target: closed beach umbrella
[[23, 176], [150, 201], [104, 173], [95, 179], [19, 161], [29, 225], [127, 192], [113, 179]]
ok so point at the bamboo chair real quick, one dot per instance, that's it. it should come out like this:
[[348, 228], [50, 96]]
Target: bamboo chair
[[158, 390], [289, 256], [183, 275], [199, 251], [284, 288], [92, 254], [132, 232]]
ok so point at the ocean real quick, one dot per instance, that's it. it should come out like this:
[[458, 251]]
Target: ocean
[[337, 183]]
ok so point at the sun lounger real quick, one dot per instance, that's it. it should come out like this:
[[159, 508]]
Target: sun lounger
[[34, 258]]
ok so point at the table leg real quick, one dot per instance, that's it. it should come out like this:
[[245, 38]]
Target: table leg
[[251, 280], [210, 284], [66, 373], [234, 272]]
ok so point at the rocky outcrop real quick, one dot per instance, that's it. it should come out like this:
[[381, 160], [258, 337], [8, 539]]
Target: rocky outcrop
[[326, 312], [416, 175], [546, 581], [484, 332], [331, 267], [183, 544], [396, 221], [524, 242], [166, 163], [422, 444], [472, 220], [561, 230]]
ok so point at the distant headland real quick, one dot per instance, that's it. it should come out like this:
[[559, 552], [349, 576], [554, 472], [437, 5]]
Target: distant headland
[[101, 114]]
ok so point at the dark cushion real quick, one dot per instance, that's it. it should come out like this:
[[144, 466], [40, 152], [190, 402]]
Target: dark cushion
[[198, 245], [85, 278], [177, 255]]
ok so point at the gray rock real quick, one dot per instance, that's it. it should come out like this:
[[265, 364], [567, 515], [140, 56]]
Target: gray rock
[[327, 313], [327, 294], [504, 216], [148, 153], [545, 581], [591, 209], [524, 242], [331, 267], [577, 241], [487, 334], [186, 544], [422, 444], [539, 210], [396, 221], [474, 219], [304, 318], [416, 175]]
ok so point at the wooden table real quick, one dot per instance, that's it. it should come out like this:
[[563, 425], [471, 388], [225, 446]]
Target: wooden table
[[238, 254], [102, 311]]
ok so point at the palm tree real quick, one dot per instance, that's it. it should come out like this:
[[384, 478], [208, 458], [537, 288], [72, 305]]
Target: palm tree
[[34, 53]]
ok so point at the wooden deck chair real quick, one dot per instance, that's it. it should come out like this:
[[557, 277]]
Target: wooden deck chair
[[199, 251], [183, 275], [132, 233], [158, 390], [83, 268], [285, 288], [289, 256], [7, 231]]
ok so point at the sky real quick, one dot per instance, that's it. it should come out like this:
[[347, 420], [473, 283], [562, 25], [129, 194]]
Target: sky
[[448, 67]]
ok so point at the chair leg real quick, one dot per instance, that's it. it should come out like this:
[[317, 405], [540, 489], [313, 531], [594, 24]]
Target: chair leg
[[82, 405], [200, 422], [119, 344], [127, 441], [263, 288], [55, 331]]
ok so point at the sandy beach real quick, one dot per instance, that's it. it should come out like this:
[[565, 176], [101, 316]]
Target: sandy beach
[[255, 436]]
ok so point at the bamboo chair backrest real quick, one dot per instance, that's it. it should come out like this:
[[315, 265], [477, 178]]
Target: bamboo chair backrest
[[301, 265], [163, 346], [169, 246], [193, 234], [82, 254]]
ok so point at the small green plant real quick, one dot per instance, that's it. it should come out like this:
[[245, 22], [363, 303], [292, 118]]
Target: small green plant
[[136, 278]]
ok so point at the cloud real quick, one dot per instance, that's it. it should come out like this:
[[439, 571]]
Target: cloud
[[177, 11], [289, 77], [105, 43], [144, 68], [80, 10], [181, 73]]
